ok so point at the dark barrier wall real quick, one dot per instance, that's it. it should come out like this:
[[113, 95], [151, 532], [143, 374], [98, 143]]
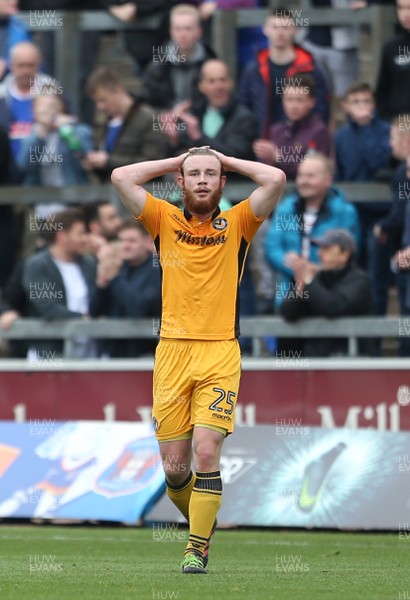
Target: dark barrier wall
[[326, 397]]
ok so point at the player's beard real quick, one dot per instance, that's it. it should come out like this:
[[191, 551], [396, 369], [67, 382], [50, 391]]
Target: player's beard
[[202, 206]]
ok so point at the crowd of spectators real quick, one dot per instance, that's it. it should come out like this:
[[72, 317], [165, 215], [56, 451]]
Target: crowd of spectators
[[318, 254]]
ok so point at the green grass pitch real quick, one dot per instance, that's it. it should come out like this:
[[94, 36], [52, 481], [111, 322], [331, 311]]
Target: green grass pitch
[[81, 563]]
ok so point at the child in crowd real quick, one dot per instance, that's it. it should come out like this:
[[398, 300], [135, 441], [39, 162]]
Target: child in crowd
[[362, 143], [303, 132]]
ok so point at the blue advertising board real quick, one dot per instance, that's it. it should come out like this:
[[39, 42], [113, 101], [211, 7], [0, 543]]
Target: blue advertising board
[[88, 470]]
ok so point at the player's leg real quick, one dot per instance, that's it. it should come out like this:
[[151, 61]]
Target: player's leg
[[171, 414], [176, 460], [206, 495], [213, 413]]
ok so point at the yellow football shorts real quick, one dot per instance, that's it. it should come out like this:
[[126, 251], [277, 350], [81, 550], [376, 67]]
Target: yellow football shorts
[[195, 383]]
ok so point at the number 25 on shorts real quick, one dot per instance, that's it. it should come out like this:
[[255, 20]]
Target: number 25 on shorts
[[223, 395]]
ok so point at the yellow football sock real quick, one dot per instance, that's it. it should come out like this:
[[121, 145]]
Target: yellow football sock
[[181, 494], [205, 502]]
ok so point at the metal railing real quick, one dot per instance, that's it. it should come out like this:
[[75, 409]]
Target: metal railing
[[256, 328], [380, 20], [235, 191]]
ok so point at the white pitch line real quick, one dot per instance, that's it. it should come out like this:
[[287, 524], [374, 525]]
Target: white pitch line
[[220, 541]]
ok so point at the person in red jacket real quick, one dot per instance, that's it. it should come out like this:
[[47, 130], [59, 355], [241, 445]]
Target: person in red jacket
[[261, 84]]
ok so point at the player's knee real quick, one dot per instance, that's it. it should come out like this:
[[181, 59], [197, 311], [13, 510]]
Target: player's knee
[[176, 470], [175, 479], [206, 454]]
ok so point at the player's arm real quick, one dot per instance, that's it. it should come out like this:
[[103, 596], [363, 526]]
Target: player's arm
[[270, 180], [128, 180]]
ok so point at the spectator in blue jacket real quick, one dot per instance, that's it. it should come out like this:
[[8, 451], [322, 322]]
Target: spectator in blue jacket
[[12, 31], [128, 284], [315, 208], [362, 151], [262, 82], [362, 143]]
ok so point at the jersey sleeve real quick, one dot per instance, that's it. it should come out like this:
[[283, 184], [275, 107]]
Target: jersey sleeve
[[248, 222], [151, 215]]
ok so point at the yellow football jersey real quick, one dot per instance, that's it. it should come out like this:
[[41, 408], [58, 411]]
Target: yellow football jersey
[[202, 265]]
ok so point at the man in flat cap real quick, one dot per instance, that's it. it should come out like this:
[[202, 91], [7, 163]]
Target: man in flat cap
[[334, 288]]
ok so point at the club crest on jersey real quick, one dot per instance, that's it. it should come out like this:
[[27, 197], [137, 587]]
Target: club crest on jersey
[[155, 424], [220, 224]]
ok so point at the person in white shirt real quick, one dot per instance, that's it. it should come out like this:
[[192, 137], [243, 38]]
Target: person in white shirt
[[58, 279]]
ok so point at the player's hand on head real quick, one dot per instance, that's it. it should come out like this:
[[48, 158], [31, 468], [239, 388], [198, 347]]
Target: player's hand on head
[[221, 156], [199, 148], [184, 155], [181, 159]]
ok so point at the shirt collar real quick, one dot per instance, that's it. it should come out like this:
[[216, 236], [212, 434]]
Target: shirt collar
[[188, 215]]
